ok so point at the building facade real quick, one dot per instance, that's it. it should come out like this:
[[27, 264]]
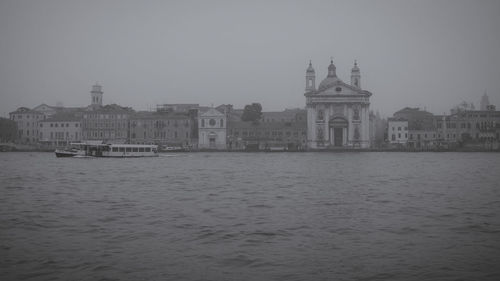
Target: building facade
[[212, 131], [60, 130], [286, 129], [8, 130], [397, 131], [161, 128], [337, 113], [27, 124], [109, 123], [469, 126]]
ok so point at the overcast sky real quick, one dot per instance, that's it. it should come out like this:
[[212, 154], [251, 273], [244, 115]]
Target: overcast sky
[[431, 54]]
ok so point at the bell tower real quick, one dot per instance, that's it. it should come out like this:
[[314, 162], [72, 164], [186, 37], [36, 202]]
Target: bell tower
[[96, 95], [355, 76], [310, 78]]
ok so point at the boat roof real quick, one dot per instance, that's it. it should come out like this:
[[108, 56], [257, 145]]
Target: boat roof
[[114, 145]]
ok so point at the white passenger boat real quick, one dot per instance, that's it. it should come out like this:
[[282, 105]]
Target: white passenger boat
[[109, 150]]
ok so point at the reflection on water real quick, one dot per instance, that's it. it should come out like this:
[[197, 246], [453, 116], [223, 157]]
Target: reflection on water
[[251, 216]]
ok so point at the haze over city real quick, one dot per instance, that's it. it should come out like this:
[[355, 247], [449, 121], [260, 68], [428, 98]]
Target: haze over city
[[432, 54]]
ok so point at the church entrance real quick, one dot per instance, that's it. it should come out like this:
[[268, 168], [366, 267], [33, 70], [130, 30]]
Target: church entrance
[[338, 131], [338, 136]]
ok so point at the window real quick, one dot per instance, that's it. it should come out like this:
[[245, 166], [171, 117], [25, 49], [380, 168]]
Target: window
[[148, 149], [141, 149], [115, 149], [135, 149], [128, 149], [222, 123], [399, 128], [393, 137], [406, 135], [202, 123], [399, 135], [122, 149]]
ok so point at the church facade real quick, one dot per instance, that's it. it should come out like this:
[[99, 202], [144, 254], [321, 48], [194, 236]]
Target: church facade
[[337, 112]]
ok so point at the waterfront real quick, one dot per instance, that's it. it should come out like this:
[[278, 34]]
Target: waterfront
[[251, 216]]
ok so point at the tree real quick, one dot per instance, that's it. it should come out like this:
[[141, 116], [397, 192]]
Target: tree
[[252, 112]]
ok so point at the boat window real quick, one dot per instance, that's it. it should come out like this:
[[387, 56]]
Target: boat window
[[129, 149], [141, 149], [122, 149], [135, 149], [148, 149], [115, 149]]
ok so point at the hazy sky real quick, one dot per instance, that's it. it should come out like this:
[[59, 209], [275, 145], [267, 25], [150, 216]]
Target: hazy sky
[[431, 54]]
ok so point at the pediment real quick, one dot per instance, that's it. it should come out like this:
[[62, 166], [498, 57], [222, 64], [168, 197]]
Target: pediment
[[211, 112], [341, 88]]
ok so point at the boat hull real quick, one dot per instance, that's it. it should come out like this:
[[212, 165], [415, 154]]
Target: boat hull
[[65, 154]]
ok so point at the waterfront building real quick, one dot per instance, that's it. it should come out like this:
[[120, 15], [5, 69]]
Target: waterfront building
[[27, 124], [284, 129], [8, 130], [337, 112], [163, 128], [469, 126], [212, 129], [109, 123], [417, 119], [413, 128], [423, 139], [397, 131], [60, 130]]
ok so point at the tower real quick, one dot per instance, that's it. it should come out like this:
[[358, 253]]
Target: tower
[[485, 101], [96, 95], [355, 76], [310, 78]]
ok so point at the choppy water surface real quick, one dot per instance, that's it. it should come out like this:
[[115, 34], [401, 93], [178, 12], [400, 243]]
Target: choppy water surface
[[251, 216]]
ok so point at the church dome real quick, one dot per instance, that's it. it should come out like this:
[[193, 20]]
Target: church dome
[[331, 79], [328, 82]]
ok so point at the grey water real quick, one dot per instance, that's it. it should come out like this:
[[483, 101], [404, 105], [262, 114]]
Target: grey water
[[251, 216]]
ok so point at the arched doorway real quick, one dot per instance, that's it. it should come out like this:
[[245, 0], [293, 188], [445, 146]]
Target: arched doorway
[[212, 140], [338, 131]]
